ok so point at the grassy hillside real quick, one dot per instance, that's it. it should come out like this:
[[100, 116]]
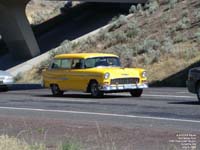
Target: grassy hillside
[[163, 36]]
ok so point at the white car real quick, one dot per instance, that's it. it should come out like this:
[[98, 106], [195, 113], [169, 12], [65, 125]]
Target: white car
[[6, 80]]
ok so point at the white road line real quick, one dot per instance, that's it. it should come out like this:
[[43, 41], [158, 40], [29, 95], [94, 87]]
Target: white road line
[[168, 96], [182, 92], [70, 100], [157, 95], [101, 114]]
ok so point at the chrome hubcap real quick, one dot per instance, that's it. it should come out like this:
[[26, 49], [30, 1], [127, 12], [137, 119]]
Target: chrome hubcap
[[198, 92], [94, 89], [55, 89]]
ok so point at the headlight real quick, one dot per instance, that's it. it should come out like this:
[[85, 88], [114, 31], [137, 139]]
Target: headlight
[[144, 74], [106, 75]]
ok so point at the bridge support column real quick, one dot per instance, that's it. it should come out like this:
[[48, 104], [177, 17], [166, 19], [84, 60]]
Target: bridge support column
[[16, 30]]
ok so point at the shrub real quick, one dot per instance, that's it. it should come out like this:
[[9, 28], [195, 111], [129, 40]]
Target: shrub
[[172, 3], [115, 18], [125, 53], [139, 8], [189, 53], [44, 64], [167, 45], [117, 24], [165, 18], [197, 14], [185, 13], [101, 35], [120, 37], [197, 36], [132, 29], [115, 38], [179, 38], [66, 47], [152, 6], [133, 9], [151, 57], [150, 45], [183, 23]]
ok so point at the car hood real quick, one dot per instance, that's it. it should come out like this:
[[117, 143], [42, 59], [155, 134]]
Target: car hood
[[117, 72]]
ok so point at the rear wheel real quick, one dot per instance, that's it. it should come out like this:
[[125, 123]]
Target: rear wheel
[[94, 89], [56, 90], [198, 92], [136, 93]]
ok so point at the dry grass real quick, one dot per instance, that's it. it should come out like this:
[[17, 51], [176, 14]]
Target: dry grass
[[11, 143]]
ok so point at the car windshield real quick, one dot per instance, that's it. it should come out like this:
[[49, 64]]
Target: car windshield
[[102, 62]]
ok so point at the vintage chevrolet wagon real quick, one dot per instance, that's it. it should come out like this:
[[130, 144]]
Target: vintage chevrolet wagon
[[94, 73]]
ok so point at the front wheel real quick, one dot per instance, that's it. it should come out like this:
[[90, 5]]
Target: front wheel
[[94, 89], [4, 88], [136, 93], [56, 90], [198, 92]]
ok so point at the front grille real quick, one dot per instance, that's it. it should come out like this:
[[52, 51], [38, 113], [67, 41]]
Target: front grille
[[125, 81]]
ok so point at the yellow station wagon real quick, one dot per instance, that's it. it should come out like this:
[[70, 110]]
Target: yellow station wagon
[[94, 73]]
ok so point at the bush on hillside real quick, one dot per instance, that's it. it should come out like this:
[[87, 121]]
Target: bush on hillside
[[179, 38], [124, 52], [66, 47], [151, 57], [197, 35], [150, 45], [117, 24], [183, 23], [133, 9], [172, 3], [152, 6], [132, 29], [167, 45], [197, 14]]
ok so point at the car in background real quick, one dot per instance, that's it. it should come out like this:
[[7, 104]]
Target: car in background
[[95, 73], [193, 82], [6, 80]]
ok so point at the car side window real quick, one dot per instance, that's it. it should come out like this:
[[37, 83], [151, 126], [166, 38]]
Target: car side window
[[66, 63], [90, 63], [77, 64], [56, 64]]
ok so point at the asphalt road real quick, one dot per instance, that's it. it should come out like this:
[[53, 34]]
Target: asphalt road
[[158, 107]]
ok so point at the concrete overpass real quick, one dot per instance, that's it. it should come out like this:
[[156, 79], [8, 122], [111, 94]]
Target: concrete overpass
[[16, 29]]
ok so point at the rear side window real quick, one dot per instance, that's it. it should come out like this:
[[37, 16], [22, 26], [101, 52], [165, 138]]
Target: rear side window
[[61, 64], [66, 63], [56, 64]]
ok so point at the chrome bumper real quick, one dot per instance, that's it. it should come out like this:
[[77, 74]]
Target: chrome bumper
[[122, 87]]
